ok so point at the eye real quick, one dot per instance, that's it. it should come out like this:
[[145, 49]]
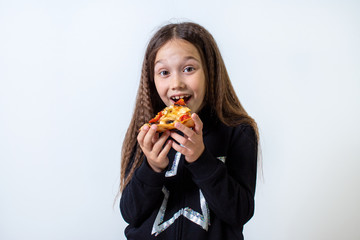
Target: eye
[[189, 69], [164, 73]]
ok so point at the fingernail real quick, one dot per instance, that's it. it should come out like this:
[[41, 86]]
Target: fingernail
[[154, 126], [146, 127]]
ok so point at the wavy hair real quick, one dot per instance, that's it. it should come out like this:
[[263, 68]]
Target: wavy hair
[[227, 108]]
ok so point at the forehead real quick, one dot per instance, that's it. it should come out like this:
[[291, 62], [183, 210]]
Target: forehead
[[177, 48]]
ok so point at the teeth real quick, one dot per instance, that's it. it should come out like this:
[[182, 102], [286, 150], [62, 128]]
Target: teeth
[[178, 97]]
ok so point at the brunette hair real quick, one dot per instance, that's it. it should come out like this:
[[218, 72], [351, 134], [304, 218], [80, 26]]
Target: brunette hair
[[227, 107]]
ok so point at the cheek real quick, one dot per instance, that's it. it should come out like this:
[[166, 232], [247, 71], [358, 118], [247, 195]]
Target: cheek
[[200, 88], [159, 86], [162, 91]]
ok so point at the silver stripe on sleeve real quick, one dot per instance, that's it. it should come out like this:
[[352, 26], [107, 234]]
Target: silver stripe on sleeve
[[173, 171]]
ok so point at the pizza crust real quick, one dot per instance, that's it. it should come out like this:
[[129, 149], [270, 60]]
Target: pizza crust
[[163, 127]]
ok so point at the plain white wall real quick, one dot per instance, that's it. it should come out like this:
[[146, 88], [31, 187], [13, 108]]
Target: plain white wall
[[69, 72]]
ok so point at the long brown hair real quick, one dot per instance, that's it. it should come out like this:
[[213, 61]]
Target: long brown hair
[[227, 107]]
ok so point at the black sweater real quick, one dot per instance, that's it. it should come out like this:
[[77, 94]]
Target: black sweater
[[211, 198]]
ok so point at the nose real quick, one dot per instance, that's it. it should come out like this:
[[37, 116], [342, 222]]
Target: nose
[[177, 82]]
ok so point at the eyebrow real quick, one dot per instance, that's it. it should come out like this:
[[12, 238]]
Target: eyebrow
[[184, 60]]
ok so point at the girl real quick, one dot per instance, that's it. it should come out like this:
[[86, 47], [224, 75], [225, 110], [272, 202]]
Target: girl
[[191, 183]]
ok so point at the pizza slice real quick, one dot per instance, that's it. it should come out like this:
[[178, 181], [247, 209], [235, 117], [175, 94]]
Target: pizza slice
[[166, 119]]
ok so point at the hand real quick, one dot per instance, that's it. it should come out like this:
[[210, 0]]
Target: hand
[[153, 147], [192, 141]]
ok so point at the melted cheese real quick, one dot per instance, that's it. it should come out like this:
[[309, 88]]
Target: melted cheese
[[173, 113]]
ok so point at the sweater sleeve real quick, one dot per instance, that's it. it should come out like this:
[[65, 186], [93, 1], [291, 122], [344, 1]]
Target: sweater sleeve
[[142, 195], [229, 188]]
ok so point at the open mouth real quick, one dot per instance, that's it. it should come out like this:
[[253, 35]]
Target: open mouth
[[185, 97]]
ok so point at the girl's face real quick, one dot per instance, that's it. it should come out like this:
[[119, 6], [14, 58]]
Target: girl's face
[[179, 73]]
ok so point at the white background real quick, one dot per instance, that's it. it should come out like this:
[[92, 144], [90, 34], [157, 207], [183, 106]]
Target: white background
[[69, 72]]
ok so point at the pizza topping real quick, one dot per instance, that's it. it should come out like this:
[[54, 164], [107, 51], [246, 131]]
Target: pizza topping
[[180, 102], [157, 118], [184, 117]]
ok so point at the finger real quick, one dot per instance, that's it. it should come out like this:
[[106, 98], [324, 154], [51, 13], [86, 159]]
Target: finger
[[182, 140], [160, 143], [164, 152], [198, 123], [184, 129], [155, 138], [142, 133], [180, 149], [149, 136]]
